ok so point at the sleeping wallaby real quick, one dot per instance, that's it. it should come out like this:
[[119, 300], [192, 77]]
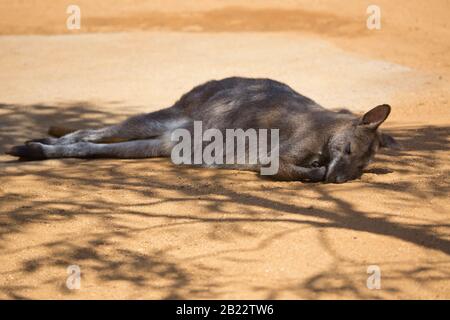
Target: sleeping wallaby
[[315, 144]]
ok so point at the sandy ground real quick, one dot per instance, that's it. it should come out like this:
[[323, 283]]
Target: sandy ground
[[149, 229]]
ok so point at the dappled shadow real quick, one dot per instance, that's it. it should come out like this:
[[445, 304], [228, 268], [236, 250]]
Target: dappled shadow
[[20, 122], [113, 210], [345, 277]]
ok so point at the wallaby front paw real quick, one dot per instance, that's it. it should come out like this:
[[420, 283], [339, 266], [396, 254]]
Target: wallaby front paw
[[30, 151], [317, 174]]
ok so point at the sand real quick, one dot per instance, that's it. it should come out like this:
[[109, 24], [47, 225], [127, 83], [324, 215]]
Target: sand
[[149, 229]]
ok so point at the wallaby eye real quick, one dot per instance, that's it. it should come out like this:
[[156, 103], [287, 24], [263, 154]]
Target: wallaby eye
[[348, 148], [315, 164]]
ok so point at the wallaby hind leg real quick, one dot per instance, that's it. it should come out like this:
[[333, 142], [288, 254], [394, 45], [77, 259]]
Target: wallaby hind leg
[[124, 150], [142, 126], [58, 132]]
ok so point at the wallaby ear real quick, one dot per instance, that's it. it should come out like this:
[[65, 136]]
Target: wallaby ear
[[373, 118], [386, 141]]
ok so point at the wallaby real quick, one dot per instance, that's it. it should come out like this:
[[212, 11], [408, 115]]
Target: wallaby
[[315, 144]]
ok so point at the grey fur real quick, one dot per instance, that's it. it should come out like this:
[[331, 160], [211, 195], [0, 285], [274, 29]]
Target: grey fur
[[316, 144]]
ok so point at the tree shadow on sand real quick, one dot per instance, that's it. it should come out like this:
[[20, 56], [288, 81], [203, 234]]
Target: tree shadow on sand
[[156, 182]]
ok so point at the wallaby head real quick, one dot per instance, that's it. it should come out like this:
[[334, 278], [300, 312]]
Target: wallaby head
[[354, 143]]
